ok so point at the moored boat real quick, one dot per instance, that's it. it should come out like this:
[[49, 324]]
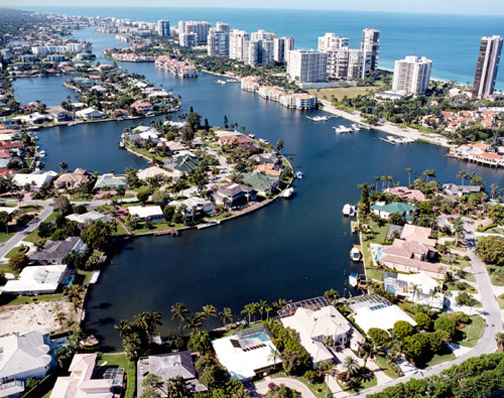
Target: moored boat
[[341, 129], [318, 118], [208, 224], [353, 279], [355, 254], [299, 175], [286, 194], [349, 210]]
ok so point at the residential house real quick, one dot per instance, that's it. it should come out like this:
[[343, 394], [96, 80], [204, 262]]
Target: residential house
[[91, 114], [460, 190], [384, 210], [267, 157], [410, 195], [146, 213], [62, 116], [417, 288], [23, 356], [414, 233], [168, 366], [83, 383], [34, 180], [37, 279], [314, 328], [195, 206], [54, 251], [141, 107], [269, 169], [110, 181], [89, 217], [247, 353], [233, 195], [184, 163], [75, 179], [157, 173], [263, 184]]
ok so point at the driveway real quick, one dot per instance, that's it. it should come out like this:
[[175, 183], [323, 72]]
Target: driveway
[[262, 387]]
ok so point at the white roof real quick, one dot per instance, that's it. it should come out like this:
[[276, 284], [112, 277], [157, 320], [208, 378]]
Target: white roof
[[37, 279], [175, 124], [148, 135], [241, 362], [154, 171], [8, 209], [23, 354], [89, 216], [144, 212], [226, 133], [424, 282], [383, 318], [36, 180]]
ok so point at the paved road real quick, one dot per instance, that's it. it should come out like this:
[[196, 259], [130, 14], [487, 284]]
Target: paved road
[[491, 310], [20, 235], [262, 387]]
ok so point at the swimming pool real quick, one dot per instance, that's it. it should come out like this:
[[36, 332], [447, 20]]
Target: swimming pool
[[258, 336], [379, 254]]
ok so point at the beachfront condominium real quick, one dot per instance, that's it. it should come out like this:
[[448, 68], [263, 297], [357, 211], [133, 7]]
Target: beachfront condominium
[[346, 63], [307, 66], [262, 35], [258, 52], [488, 64], [237, 44], [281, 46], [371, 44], [188, 39], [411, 75], [163, 28], [199, 28], [218, 40], [331, 42]]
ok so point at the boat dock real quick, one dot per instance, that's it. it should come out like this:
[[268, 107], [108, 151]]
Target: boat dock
[[354, 226], [171, 232]]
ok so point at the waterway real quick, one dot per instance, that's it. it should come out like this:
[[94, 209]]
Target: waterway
[[290, 249]]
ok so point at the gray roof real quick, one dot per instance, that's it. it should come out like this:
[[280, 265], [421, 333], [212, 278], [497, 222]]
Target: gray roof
[[55, 251], [110, 181]]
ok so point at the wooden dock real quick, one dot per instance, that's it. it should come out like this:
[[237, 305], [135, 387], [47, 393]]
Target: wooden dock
[[354, 226]]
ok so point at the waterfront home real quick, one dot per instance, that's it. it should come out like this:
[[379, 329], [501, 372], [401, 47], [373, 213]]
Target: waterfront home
[[54, 251], [89, 217], [263, 184], [233, 195], [460, 190], [141, 107], [235, 139], [414, 233], [269, 169], [91, 114], [417, 288], [175, 146], [247, 353], [479, 152], [169, 366], [74, 179], [84, 383], [23, 356], [184, 163], [62, 116], [384, 210], [267, 158], [157, 173], [410, 195], [314, 327], [146, 213], [377, 312], [195, 206], [34, 180], [37, 279], [110, 181]]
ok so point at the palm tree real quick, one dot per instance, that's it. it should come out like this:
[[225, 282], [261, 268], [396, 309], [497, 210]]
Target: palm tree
[[429, 174], [499, 339], [268, 310], [193, 322], [458, 229], [409, 170], [226, 316], [262, 305], [124, 328], [462, 175], [389, 180], [249, 309], [383, 179], [493, 188], [60, 317], [178, 311], [377, 179], [414, 288], [350, 365], [274, 355], [209, 311], [366, 348]]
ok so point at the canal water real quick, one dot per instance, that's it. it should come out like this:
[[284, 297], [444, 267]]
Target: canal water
[[290, 249]]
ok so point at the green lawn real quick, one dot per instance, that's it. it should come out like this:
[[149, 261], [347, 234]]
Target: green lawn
[[473, 331], [500, 300], [121, 361], [33, 237], [340, 92], [456, 260], [361, 385], [80, 197], [4, 237], [33, 299], [16, 250], [120, 230], [440, 358], [378, 236], [319, 390], [382, 362]]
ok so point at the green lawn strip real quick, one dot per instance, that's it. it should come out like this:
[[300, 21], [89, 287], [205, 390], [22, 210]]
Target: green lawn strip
[[33, 237], [4, 268], [473, 331], [16, 250], [156, 227], [377, 236], [319, 390], [121, 361], [85, 275], [382, 362], [496, 278], [79, 197], [120, 230], [4, 237], [440, 358], [500, 300], [362, 385], [33, 299]]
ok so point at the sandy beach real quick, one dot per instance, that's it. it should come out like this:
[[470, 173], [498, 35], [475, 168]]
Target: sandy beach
[[388, 128]]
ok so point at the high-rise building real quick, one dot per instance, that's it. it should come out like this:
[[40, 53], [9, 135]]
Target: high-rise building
[[331, 42], [259, 52], [411, 75], [337, 63], [163, 28], [200, 28], [488, 64], [188, 39], [281, 46], [348, 63], [307, 66], [237, 44], [371, 44], [262, 35], [218, 40], [358, 64]]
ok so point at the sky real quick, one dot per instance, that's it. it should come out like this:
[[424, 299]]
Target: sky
[[488, 7]]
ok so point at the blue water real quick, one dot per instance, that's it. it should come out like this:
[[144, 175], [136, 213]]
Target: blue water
[[49, 90], [451, 41]]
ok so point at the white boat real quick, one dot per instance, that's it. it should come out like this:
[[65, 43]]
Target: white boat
[[318, 118], [42, 154], [288, 193], [356, 127], [353, 279], [299, 175], [208, 224], [343, 129], [220, 81], [388, 141], [349, 210], [355, 254]]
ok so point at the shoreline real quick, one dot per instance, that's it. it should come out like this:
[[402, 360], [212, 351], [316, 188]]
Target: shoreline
[[388, 127]]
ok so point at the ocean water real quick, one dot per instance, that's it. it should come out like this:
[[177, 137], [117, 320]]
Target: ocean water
[[451, 41]]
